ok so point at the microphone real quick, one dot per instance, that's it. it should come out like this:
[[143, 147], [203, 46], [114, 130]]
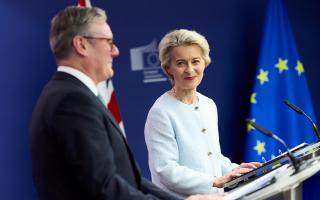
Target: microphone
[[301, 112], [270, 134]]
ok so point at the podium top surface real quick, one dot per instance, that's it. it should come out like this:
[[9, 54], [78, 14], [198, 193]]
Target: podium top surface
[[279, 180], [300, 152]]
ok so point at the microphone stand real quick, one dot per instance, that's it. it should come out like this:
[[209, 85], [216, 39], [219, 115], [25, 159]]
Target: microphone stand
[[301, 112], [268, 133]]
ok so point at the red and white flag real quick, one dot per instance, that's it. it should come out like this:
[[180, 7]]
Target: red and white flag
[[84, 3], [105, 88]]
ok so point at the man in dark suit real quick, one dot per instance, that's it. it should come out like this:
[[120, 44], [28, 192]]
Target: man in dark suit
[[77, 149]]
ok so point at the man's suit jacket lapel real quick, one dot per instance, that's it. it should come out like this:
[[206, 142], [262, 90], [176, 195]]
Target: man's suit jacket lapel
[[115, 124], [67, 77], [134, 164]]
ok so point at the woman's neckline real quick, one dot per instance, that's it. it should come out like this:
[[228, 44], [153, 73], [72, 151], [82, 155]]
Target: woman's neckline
[[173, 95]]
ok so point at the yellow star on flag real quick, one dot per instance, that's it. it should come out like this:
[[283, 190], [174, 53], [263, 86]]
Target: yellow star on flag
[[263, 76], [249, 126], [299, 68], [282, 65], [260, 147], [253, 98]]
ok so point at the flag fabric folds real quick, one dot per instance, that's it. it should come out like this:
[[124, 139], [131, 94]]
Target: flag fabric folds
[[280, 76], [108, 94], [84, 3], [105, 88]]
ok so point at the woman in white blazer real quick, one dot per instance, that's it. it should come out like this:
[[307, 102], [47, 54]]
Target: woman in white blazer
[[181, 130]]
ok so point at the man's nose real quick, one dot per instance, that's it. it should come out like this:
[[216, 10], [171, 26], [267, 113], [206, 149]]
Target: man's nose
[[115, 51]]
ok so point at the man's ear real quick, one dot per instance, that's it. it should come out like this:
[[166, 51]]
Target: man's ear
[[80, 45]]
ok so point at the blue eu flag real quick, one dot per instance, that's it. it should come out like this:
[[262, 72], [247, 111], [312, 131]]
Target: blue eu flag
[[280, 76]]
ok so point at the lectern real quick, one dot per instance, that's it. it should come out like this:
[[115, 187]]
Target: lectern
[[277, 179]]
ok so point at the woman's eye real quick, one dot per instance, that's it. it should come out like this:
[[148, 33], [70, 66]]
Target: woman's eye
[[196, 61]]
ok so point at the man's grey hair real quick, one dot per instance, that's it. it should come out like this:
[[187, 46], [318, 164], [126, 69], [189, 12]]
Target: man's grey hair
[[67, 24]]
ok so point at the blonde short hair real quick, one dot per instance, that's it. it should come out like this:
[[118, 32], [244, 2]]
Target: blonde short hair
[[181, 37]]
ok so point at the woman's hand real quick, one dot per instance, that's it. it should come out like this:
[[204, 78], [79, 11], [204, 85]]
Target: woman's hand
[[243, 168], [216, 196], [251, 165]]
